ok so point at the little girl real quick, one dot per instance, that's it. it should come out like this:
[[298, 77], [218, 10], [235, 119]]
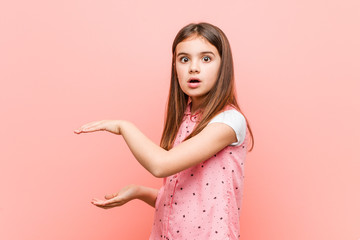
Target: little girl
[[203, 145]]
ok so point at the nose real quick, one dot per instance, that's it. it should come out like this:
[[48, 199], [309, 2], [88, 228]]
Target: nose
[[194, 67]]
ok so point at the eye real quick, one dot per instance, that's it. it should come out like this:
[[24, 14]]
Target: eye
[[206, 59], [184, 59]]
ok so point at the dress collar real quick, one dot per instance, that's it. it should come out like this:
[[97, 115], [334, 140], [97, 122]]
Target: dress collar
[[194, 117]]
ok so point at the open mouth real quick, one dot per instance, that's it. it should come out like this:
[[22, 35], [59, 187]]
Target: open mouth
[[194, 81]]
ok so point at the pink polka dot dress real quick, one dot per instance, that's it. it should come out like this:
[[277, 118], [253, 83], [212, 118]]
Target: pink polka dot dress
[[202, 202]]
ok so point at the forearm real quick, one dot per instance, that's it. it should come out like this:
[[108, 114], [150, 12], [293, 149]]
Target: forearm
[[147, 195], [162, 163], [147, 153]]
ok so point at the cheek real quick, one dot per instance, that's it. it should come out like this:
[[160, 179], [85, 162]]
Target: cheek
[[214, 75], [217, 71], [180, 72], [212, 71]]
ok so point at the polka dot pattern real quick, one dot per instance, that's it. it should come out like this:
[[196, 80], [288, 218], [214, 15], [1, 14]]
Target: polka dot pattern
[[204, 201]]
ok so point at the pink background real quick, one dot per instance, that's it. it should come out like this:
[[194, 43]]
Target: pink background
[[65, 63]]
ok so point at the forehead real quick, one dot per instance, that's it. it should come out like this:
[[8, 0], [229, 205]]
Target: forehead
[[195, 44]]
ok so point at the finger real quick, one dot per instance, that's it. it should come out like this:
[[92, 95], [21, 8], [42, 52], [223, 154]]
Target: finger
[[100, 206], [109, 196], [90, 127], [109, 205], [97, 201], [103, 204], [110, 202], [87, 129], [103, 207], [81, 128]]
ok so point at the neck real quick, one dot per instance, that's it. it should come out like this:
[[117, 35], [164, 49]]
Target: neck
[[195, 105]]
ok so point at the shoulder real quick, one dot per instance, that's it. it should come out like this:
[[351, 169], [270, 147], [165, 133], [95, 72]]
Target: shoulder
[[233, 118]]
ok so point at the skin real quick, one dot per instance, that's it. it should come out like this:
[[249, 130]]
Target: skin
[[195, 58], [126, 194]]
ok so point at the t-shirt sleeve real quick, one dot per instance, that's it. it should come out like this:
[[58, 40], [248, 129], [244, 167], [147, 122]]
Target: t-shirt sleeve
[[236, 121]]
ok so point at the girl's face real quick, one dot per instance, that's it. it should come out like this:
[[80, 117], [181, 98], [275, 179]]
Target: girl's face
[[197, 66]]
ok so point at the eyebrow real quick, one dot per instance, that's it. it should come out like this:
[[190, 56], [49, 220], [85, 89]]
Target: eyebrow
[[202, 53]]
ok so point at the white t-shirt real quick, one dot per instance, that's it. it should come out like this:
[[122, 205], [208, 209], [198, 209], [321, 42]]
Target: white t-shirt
[[236, 121]]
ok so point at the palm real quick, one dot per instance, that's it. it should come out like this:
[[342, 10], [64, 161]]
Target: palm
[[104, 125], [118, 199]]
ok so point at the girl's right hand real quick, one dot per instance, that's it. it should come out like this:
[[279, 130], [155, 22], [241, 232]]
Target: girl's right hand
[[125, 195], [104, 125]]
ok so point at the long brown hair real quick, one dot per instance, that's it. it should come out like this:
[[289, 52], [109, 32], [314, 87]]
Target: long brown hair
[[221, 95]]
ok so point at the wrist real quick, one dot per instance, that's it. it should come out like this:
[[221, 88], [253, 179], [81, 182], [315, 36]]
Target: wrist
[[135, 191], [140, 193], [121, 125], [147, 195]]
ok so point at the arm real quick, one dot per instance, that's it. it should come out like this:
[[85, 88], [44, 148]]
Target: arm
[[147, 195], [163, 163], [128, 193]]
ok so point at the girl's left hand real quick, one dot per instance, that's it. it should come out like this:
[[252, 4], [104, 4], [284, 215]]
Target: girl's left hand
[[125, 195], [104, 125]]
